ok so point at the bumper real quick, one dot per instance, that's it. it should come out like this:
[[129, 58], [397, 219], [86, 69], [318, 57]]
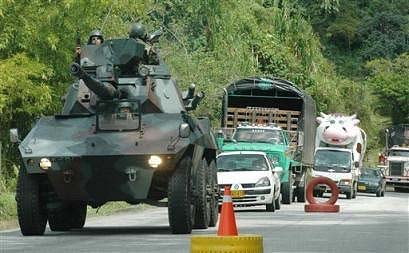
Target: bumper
[[368, 188], [252, 197], [324, 188], [402, 182]]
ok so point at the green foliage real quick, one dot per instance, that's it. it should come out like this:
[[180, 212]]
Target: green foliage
[[7, 206], [389, 80]]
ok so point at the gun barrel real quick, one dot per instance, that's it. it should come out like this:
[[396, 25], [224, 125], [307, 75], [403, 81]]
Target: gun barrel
[[104, 90]]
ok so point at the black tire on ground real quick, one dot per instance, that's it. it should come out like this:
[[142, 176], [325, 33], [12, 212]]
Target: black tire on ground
[[301, 194], [214, 212], [202, 200], [383, 193], [287, 190], [180, 208], [349, 194], [354, 191], [378, 193], [271, 207], [277, 203], [78, 215], [73, 215], [31, 209]]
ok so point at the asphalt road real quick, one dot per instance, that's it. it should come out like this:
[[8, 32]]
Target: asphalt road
[[365, 224]]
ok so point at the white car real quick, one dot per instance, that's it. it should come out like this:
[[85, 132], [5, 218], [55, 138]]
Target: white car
[[251, 177]]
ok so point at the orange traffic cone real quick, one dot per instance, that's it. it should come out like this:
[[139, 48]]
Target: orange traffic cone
[[227, 224]]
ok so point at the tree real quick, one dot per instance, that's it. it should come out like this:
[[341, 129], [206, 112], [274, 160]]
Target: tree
[[389, 80]]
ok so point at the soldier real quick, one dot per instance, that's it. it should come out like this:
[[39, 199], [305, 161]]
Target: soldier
[[137, 31], [96, 38]]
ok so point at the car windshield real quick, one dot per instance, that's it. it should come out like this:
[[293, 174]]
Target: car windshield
[[242, 162], [404, 153], [258, 135], [369, 173], [332, 160]]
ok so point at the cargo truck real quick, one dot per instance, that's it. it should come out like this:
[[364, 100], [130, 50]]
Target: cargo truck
[[272, 115], [396, 169]]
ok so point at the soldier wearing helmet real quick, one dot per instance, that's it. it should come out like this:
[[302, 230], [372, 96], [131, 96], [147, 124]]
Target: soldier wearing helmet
[[96, 38], [137, 31]]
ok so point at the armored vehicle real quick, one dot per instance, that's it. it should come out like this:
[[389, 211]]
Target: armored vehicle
[[124, 134]]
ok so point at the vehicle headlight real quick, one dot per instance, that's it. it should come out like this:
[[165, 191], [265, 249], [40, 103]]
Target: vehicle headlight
[[154, 161], [264, 181], [345, 182], [45, 164]]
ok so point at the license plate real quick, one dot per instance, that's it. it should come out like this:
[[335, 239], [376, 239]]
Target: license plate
[[362, 187], [237, 193]]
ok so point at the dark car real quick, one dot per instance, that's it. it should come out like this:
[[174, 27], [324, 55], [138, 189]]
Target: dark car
[[372, 181]]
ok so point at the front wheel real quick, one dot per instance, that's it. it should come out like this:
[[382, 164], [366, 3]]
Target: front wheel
[[277, 202], [73, 215], [180, 208], [214, 196], [203, 208], [287, 190], [31, 209]]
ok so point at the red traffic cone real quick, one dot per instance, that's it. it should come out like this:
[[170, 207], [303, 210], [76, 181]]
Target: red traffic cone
[[227, 224]]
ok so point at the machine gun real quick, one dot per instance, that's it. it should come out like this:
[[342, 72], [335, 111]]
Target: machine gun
[[104, 90]]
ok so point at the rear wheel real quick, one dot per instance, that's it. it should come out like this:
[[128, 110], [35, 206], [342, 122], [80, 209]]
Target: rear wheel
[[349, 194], [214, 196], [287, 190], [378, 193], [383, 193], [73, 215], [203, 208], [31, 209], [180, 207], [354, 191]]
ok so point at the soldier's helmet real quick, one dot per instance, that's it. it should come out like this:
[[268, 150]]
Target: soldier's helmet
[[95, 34], [137, 31]]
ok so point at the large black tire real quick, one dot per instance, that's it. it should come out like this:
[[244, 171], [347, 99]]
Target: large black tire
[[354, 191], [31, 209], [79, 216], [349, 194], [180, 208], [287, 190], [383, 193], [378, 193], [202, 200], [301, 194], [277, 203], [271, 207], [214, 212]]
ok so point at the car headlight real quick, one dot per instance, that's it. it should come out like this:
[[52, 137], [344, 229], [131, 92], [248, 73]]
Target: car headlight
[[345, 182], [154, 161], [264, 181]]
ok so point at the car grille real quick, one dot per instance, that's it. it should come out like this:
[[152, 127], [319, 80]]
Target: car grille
[[396, 168]]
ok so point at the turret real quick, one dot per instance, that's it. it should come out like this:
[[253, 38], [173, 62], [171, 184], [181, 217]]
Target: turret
[[104, 90]]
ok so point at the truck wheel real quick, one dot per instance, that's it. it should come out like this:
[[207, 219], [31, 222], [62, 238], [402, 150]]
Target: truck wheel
[[378, 193], [78, 215], [287, 190], [180, 207], [73, 215], [301, 194], [60, 220], [202, 200], [214, 196], [31, 209], [277, 202]]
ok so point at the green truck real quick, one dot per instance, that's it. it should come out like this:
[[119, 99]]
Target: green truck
[[274, 116]]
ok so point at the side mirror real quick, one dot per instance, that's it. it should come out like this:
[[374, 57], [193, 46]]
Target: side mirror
[[356, 164], [14, 137], [278, 169]]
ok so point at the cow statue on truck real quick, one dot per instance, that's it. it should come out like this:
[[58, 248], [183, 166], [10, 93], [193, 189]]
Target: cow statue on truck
[[340, 148]]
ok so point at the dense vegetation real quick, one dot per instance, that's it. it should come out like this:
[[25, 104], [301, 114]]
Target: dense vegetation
[[349, 55]]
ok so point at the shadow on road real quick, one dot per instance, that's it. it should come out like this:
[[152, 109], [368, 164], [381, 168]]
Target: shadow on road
[[112, 230]]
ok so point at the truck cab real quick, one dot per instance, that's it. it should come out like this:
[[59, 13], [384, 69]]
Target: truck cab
[[338, 165], [397, 169]]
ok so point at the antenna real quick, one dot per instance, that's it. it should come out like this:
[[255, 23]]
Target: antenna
[[106, 18]]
